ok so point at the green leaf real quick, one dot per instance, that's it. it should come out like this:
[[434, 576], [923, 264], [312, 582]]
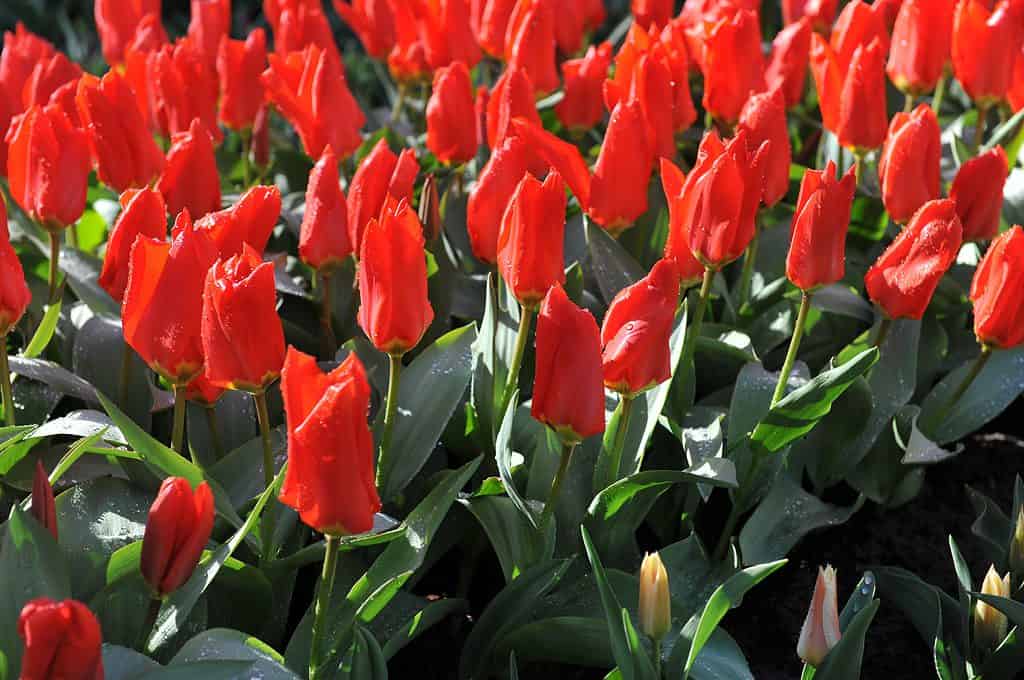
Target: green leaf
[[1004, 133], [575, 640], [122, 663], [1014, 610], [222, 644], [844, 661], [207, 670], [82, 273], [492, 354], [503, 459], [613, 268], [56, 377], [517, 543], [863, 595], [991, 526], [930, 610], [44, 332], [98, 357], [424, 619], [1007, 661]]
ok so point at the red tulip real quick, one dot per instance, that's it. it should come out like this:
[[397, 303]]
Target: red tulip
[[177, 530], [733, 67], [492, 24], [202, 391], [647, 12], [677, 247], [14, 293], [817, 250], [62, 640], [582, 108], [373, 21], [858, 24], [651, 87], [48, 166], [905, 276], [149, 38], [261, 137], [209, 24], [594, 14], [888, 10], [820, 13], [1015, 95], [451, 116], [124, 150], [787, 68], [530, 243], [568, 389], [978, 193], [763, 118], [161, 311], [530, 43], [182, 87], [558, 154], [380, 174], [300, 24], [487, 202], [618, 190], [116, 23], [852, 101], [324, 240], [446, 34], [636, 332], [43, 507], [908, 168], [239, 65], [394, 310], [483, 97], [996, 292], [143, 213], [47, 77], [310, 90], [922, 43], [191, 180], [407, 61], [243, 340], [512, 96], [249, 222], [570, 27], [985, 47], [330, 480], [23, 52]]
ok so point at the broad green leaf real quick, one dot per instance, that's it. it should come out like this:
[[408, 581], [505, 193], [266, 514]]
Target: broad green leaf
[[122, 663], [222, 644], [44, 332], [207, 670], [576, 640], [1014, 610], [492, 353], [612, 266], [82, 273], [56, 377], [423, 620], [844, 660], [863, 595], [517, 543], [926, 606], [503, 459]]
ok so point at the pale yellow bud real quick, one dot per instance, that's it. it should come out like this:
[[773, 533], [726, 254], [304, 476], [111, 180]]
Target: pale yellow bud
[[989, 623], [1017, 548], [820, 632], [655, 601]]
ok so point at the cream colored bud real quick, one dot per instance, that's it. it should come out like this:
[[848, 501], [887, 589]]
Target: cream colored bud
[[820, 632], [655, 601], [1017, 548], [989, 623]]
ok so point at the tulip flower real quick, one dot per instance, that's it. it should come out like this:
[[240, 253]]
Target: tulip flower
[[429, 210], [261, 138], [249, 222], [451, 116], [209, 24], [733, 67], [310, 90], [817, 249], [985, 46], [559, 155], [243, 341], [858, 24], [530, 242], [62, 640], [14, 300], [647, 12], [446, 34], [978, 193], [487, 202], [995, 292], [820, 632], [150, 37], [491, 25], [143, 213], [820, 13], [909, 167], [380, 174], [239, 66], [583, 107], [43, 508], [122, 146], [852, 99], [570, 27], [677, 246], [530, 43], [407, 61], [905, 276], [46, 78], [512, 96], [990, 624], [763, 118], [655, 608], [182, 86], [922, 43], [299, 24], [116, 23], [618, 189], [177, 530], [373, 21], [191, 180], [21, 52], [787, 67]]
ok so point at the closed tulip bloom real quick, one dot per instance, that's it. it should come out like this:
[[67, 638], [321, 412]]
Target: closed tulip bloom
[[446, 33], [908, 168], [62, 640], [558, 154], [570, 27], [647, 12], [23, 52], [240, 64], [978, 193], [763, 118], [820, 632], [1015, 95], [182, 86], [677, 246], [787, 67], [191, 180], [14, 293], [655, 606], [48, 167], [116, 23], [407, 60], [530, 243], [324, 242], [820, 13], [512, 96], [394, 309], [530, 43], [990, 624], [489, 198], [852, 102], [568, 389], [177, 530], [43, 508], [149, 38], [46, 78], [451, 116], [310, 90], [651, 87], [858, 24], [330, 480], [243, 340], [618, 189], [299, 24], [249, 222], [122, 146], [209, 24], [995, 292], [636, 332], [733, 67], [373, 21], [379, 175], [817, 251], [143, 213], [922, 43], [161, 311], [985, 47], [582, 107], [261, 138], [905, 276], [492, 24]]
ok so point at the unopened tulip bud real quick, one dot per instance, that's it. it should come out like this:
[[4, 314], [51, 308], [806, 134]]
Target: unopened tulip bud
[[43, 508], [989, 623], [430, 209], [1017, 548], [820, 632], [655, 602]]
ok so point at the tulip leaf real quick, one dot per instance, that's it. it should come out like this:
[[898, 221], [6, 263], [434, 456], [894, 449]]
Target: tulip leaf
[[1014, 610], [934, 614], [222, 644], [44, 332], [577, 640], [98, 356], [613, 267], [843, 662], [1004, 133], [366, 659], [207, 670], [122, 663], [516, 541], [81, 272], [421, 621], [492, 354], [55, 376], [503, 459]]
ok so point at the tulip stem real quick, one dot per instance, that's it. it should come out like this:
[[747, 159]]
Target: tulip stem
[[979, 127], [556, 486], [747, 275], [55, 293], [396, 110], [656, 642], [624, 409], [152, 611], [246, 144], [323, 600], [328, 341], [858, 166], [214, 426], [73, 236], [5, 376], [965, 384], [690, 344], [794, 347], [178, 434], [883, 333], [940, 94], [269, 517], [390, 409], [908, 103], [730, 526], [512, 383]]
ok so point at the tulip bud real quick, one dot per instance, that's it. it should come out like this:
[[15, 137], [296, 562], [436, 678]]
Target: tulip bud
[[582, 107], [209, 24], [787, 68], [1016, 556], [618, 189], [297, 25], [373, 21], [15, 295], [429, 210], [451, 116], [530, 244], [239, 65], [323, 237], [863, 116], [819, 13], [182, 87], [990, 624], [177, 530], [249, 222], [985, 46], [568, 390], [995, 292], [909, 167], [446, 33], [530, 43], [921, 45], [512, 96], [43, 508], [330, 480], [487, 202], [817, 251], [647, 12], [116, 23], [407, 61], [820, 632], [677, 246], [733, 67], [978, 193], [492, 24], [904, 277], [379, 175], [764, 119], [261, 138], [655, 600], [191, 180], [62, 640], [143, 213], [48, 77]]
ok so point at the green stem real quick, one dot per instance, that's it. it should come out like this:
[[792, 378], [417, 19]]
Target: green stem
[[690, 344], [965, 384], [73, 236], [940, 94], [269, 518], [883, 332], [396, 110], [979, 127], [512, 383], [126, 376], [709, 121], [727, 530], [390, 409], [625, 408], [246, 144], [178, 434], [794, 347], [214, 426], [908, 103], [858, 166], [55, 292], [657, 657], [146, 631], [556, 486], [747, 275], [5, 376], [328, 341], [323, 599]]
